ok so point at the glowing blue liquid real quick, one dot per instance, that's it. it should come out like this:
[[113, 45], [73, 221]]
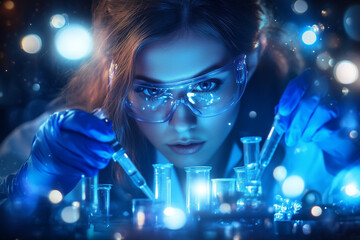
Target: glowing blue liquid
[[122, 158]]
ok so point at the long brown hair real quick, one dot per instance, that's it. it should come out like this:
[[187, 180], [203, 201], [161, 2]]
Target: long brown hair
[[122, 27]]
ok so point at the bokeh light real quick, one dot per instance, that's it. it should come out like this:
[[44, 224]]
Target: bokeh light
[[57, 21], [174, 218], [316, 211], [323, 61], [345, 91], [309, 37], [9, 5], [352, 190], [225, 208], [352, 22], [300, 6], [280, 173], [293, 186], [118, 236], [70, 214], [31, 43], [252, 114], [306, 229], [36, 87], [76, 204], [55, 196], [73, 42], [353, 134], [140, 219], [346, 72]]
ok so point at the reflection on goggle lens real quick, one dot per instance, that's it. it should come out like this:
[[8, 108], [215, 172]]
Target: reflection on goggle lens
[[207, 95]]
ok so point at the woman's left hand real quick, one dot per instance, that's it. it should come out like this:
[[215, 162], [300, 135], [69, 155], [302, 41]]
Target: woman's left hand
[[309, 114]]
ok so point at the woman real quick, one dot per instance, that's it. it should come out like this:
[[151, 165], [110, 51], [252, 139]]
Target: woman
[[177, 72]]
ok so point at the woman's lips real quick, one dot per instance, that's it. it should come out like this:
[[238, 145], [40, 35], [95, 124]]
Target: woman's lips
[[186, 148]]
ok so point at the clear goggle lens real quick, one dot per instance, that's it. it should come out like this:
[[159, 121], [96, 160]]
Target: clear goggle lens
[[207, 95]]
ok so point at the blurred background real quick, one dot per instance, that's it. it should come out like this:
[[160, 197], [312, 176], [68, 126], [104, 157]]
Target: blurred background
[[43, 42]]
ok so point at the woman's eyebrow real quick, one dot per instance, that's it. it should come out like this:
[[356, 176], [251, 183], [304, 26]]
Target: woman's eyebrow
[[205, 71]]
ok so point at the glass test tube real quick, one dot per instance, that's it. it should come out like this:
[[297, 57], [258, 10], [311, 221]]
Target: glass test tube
[[197, 189], [104, 199], [240, 179], [147, 214], [251, 150], [101, 219], [89, 194], [270, 145], [223, 195], [162, 183]]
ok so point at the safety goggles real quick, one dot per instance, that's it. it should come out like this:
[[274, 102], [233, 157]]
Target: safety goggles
[[208, 95]]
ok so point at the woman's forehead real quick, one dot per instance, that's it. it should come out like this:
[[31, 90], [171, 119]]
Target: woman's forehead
[[180, 56]]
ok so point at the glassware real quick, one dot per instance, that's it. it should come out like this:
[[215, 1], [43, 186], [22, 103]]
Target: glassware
[[223, 195], [89, 195], [162, 183], [240, 179], [251, 162], [270, 145], [101, 217], [147, 214], [197, 189]]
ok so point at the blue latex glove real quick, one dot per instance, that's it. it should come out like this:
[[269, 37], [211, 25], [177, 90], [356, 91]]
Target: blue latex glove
[[67, 145], [310, 115]]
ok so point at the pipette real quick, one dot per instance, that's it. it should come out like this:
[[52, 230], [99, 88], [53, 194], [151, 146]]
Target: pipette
[[120, 156], [270, 145]]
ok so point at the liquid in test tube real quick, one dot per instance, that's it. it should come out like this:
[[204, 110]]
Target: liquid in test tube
[[270, 145]]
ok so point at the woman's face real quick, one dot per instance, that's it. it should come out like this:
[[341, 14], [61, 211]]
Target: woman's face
[[186, 139]]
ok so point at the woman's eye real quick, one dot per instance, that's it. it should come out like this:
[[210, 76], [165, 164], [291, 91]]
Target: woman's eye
[[207, 86], [149, 92]]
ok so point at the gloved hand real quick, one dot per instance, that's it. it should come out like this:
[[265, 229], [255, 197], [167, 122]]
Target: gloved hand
[[311, 115], [67, 145]]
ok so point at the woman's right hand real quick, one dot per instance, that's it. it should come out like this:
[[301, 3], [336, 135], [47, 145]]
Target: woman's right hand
[[69, 144]]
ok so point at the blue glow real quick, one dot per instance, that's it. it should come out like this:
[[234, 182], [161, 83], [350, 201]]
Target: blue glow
[[309, 37], [293, 186], [57, 21], [174, 218], [73, 42], [352, 190], [280, 173]]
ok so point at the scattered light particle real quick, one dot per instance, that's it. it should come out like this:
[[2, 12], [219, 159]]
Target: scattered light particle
[[70, 214], [309, 37], [322, 61], [279, 173], [252, 114], [31, 43], [55, 196], [76, 204], [9, 5], [300, 6], [316, 211], [36, 87], [118, 236], [346, 72], [57, 21], [345, 91], [306, 229], [353, 134], [352, 190]]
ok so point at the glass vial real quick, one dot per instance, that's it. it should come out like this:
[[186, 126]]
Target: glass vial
[[251, 150], [162, 183], [197, 189]]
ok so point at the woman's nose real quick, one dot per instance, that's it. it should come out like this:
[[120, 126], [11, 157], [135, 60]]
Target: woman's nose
[[183, 119]]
